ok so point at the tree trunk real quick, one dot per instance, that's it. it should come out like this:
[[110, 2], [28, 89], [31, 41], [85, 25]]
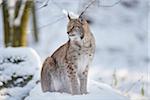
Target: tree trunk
[[6, 24], [15, 35], [24, 23], [20, 31]]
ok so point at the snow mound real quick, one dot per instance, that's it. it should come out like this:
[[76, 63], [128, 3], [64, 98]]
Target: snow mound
[[97, 91], [19, 70], [18, 61]]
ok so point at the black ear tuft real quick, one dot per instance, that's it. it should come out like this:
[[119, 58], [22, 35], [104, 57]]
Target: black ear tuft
[[69, 17], [81, 18]]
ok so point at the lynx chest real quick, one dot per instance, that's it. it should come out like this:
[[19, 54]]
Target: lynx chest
[[81, 53], [85, 57]]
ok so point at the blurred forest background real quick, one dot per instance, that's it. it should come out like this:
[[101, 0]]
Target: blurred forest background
[[119, 26]]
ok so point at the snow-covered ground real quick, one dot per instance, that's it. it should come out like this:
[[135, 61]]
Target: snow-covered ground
[[97, 91], [19, 72], [20, 75], [121, 61]]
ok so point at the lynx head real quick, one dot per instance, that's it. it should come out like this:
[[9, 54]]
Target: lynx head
[[75, 28]]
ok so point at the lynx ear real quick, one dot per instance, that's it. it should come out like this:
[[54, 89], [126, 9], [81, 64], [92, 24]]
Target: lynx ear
[[69, 16], [80, 18]]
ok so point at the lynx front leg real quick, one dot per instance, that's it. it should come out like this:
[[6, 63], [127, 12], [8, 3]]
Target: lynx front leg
[[73, 78], [46, 78], [83, 81]]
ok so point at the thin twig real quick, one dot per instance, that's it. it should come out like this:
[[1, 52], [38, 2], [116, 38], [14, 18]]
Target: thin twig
[[111, 5], [87, 7], [92, 2], [134, 84], [50, 23], [40, 2], [43, 5], [53, 22]]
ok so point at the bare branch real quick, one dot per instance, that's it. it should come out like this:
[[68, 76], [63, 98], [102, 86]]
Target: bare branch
[[40, 2], [92, 2], [62, 17], [87, 7], [45, 4], [134, 84], [51, 23], [111, 5]]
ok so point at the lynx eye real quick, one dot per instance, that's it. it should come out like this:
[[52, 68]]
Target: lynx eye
[[70, 30]]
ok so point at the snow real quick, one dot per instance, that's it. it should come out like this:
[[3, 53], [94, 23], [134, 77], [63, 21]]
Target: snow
[[97, 91], [11, 4], [31, 65], [8, 57], [19, 72]]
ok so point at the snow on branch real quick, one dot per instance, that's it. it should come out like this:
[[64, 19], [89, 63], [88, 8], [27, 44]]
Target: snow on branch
[[17, 21], [11, 6]]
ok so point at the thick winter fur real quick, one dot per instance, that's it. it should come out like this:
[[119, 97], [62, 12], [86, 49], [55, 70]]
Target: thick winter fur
[[67, 69]]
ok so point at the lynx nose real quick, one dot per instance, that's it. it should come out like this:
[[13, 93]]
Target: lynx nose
[[71, 33], [74, 31]]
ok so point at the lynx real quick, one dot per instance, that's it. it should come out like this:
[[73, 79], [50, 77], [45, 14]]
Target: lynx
[[66, 70]]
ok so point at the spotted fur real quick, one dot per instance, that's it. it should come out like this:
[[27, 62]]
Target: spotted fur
[[67, 69]]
